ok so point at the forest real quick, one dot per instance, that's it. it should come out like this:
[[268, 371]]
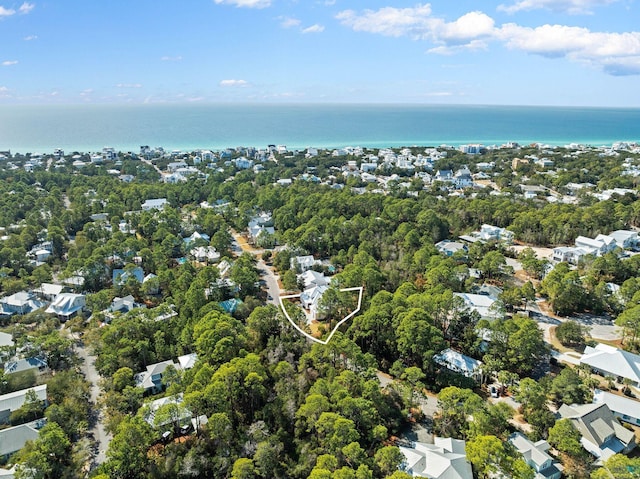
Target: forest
[[276, 405]]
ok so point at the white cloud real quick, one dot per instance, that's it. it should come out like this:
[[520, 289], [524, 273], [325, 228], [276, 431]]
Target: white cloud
[[26, 7], [234, 83], [6, 12], [418, 23], [313, 29], [573, 7], [86, 92], [129, 85], [28, 38], [615, 53], [245, 3], [390, 21], [3, 89], [8, 63], [171, 59], [288, 22]]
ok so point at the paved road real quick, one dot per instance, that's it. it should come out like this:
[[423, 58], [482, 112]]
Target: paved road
[[271, 280], [91, 374], [267, 274]]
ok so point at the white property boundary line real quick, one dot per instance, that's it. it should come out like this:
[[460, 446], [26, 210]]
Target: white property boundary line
[[360, 289]]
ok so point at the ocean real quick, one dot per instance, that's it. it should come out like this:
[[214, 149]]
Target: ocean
[[40, 129]]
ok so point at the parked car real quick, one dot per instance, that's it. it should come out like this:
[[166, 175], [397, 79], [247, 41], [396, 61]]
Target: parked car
[[494, 391]]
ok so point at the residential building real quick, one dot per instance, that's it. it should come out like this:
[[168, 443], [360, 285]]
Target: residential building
[[613, 362], [34, 363], [48, 291], [626, 239], [259, 225], [449, 248], [622, 407], [483, 304], [602, 435], [535, 454], [151, 379], [120, 276], [195, 236], [183, 415], [446, 458], [303, 263], [597, 246], [568, 254], [14, 438], [494, 233], [459, 363], [22, 302], [15, 400], [155, 204], [205, 254], [66, 305]]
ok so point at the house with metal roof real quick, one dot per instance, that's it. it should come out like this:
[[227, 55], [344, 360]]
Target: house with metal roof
[[14, 438], [602, 435], [459, 363], [445, 459], [609, 361], [13, 401], [622, 407], [66, 305], [535, 454]]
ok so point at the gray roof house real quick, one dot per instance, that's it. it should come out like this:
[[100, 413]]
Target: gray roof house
[[609, 361], [622, 407], [120, 276], [535, 454], [15, 400], [25, 364], [22, 302], [445, 459], [602, 435], [14, 438], [151, 379]]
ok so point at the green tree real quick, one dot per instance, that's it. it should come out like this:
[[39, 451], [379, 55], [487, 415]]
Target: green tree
[[243, 468], [490, 456], [127, 454], [388, 459], [570, 333]]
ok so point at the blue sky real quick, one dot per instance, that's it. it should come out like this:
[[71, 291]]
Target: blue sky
[[518, 52]]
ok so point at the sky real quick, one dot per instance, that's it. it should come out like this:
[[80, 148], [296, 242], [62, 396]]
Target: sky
[[505, 52]]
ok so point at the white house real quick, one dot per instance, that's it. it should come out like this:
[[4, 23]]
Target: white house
[[205, 254], [66, 305], [622, 407], [22, 302], [609, 361], [494, 233], [535, 454], [303, 263], [150, 409], [626, 239], [155, 204], [597, 246], [483, 304], [446, 458], [459, 363], [568, 254]]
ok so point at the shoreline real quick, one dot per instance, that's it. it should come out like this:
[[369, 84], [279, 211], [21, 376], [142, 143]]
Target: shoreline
[[374, 144]]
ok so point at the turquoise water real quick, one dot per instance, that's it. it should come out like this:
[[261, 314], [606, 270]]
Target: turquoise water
[[91, 127]]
